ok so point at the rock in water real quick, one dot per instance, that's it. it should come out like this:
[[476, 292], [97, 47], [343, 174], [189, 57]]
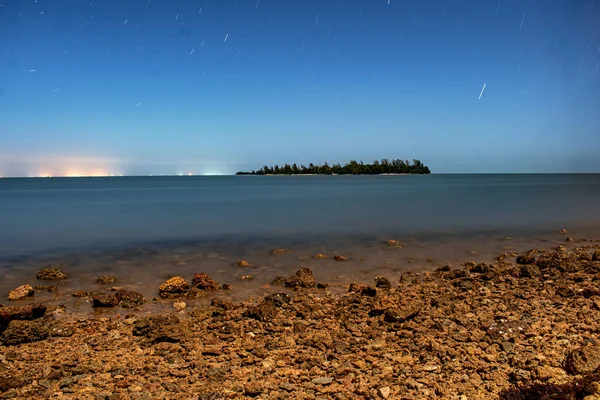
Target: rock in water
[[319, 256], [204, 282], [179, 305], [24, 332], [20, 293], [340, 258], [303, 278], [279, 251], [106, 280], [51, 274], [174, 287], [583, 360], [129, 298], [104, 300]]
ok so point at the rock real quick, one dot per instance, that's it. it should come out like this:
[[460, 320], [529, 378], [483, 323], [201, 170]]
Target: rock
[[28, 312], [583, 360], [569, 239], [46, 288], [253, 389], [340, 258], [279, 251], [243, 263], [480, 269], [204, 282], [161, 328], [564, 231], [221, 303], [129, 298], [227, 287], [279, 280], [430, 368], [395, 244], [20, 293], [455, 274], [401, 314], [179, 305], [319, 256], [60, 328], [355, 288], [51, 274], [382, 282], [174, 287], [529, 271], [324, 380], [445, 268], [369, 291], [322, 285], [303, 278], [104, 300], [279, 299], [80, 293], [265, 311], [10, 382], [384, 392], [24, 332], [106, 280], [247, 277], [526, 258], [596, 256]]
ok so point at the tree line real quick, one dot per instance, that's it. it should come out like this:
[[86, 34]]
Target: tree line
[[353, 167]]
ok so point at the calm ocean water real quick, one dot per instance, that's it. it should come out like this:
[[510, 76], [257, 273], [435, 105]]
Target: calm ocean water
[[73, 213], [165, 225]]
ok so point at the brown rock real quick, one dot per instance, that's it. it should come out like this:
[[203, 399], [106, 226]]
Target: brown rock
[[20, 293], [395, 244], [382, 282], [106, 280], [303, 278], [51, 274], [129, 298], [401, 314], [28, 312], [174, 287], [104, 300], [227, 287], [322, 285], [340, 258], [10, 382], [529, 271], [570, 239], [81, 293], [161, 328], [279, 251], [319, 256], [445, 268], [221, 303], [179, 305], [265, 311], [355, 288], [526, 258], [279, 280], [243, 263], [247, 277], [253, 389], [596, 256], [279, 299], [24, 332], [203, 281], [583, 360]]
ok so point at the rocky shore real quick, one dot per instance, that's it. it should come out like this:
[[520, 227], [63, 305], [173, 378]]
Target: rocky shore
[[524, 327]]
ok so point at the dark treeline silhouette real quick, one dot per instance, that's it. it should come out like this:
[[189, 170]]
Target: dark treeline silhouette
[[384, 166]]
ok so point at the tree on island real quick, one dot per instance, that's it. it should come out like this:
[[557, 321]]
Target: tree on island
[[353, 167]]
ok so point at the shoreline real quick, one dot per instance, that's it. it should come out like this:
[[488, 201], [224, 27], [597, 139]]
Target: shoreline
[[473, 331]]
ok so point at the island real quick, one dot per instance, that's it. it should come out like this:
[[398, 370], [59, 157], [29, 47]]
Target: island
[[383, 167]]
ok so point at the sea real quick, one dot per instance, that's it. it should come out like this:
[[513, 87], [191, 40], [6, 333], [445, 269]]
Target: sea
[[145, 229]]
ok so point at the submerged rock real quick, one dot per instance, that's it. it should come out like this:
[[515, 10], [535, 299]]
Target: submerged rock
[[104, 300], [303, 278], [179, 305], [203, 281], [51, 274], [340, 258], [19, 331], [106, 280], [129, 298], [243, 263], [320, 256], [20, 293], [81, 293], [174, 287]]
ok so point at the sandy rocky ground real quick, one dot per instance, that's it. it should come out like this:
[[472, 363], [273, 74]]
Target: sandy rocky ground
[[525, 327]]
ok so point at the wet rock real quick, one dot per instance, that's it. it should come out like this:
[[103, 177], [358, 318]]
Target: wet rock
[[243, 263], [279, 299], [340, 258], [564, 231], [382, 282], [221, 303], [106, 280], [319, 256], [596, 256], [279, 280], [174, 287], [526, 258], [247, 277], [179, 305], [569, 239], [265, 311], [445, 268], [303, 278], [203, 281], [529, 271], [195, 293], [24, 332], [279, 251], [129, 298], [369, 291], [322, 285], [51, 274], [28, 312], [395, 244], [80, 293], [227, 287], [583, 360], [480, 269], [20, 293], [355, 288], [104, 300], [46, 288], [455, 274]]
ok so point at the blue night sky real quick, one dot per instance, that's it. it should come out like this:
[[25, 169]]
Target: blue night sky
[[163, 87]]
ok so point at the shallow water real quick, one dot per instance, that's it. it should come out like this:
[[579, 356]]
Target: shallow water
[[143, 230]]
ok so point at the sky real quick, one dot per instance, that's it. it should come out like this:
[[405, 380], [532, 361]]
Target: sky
[[138, 87]]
